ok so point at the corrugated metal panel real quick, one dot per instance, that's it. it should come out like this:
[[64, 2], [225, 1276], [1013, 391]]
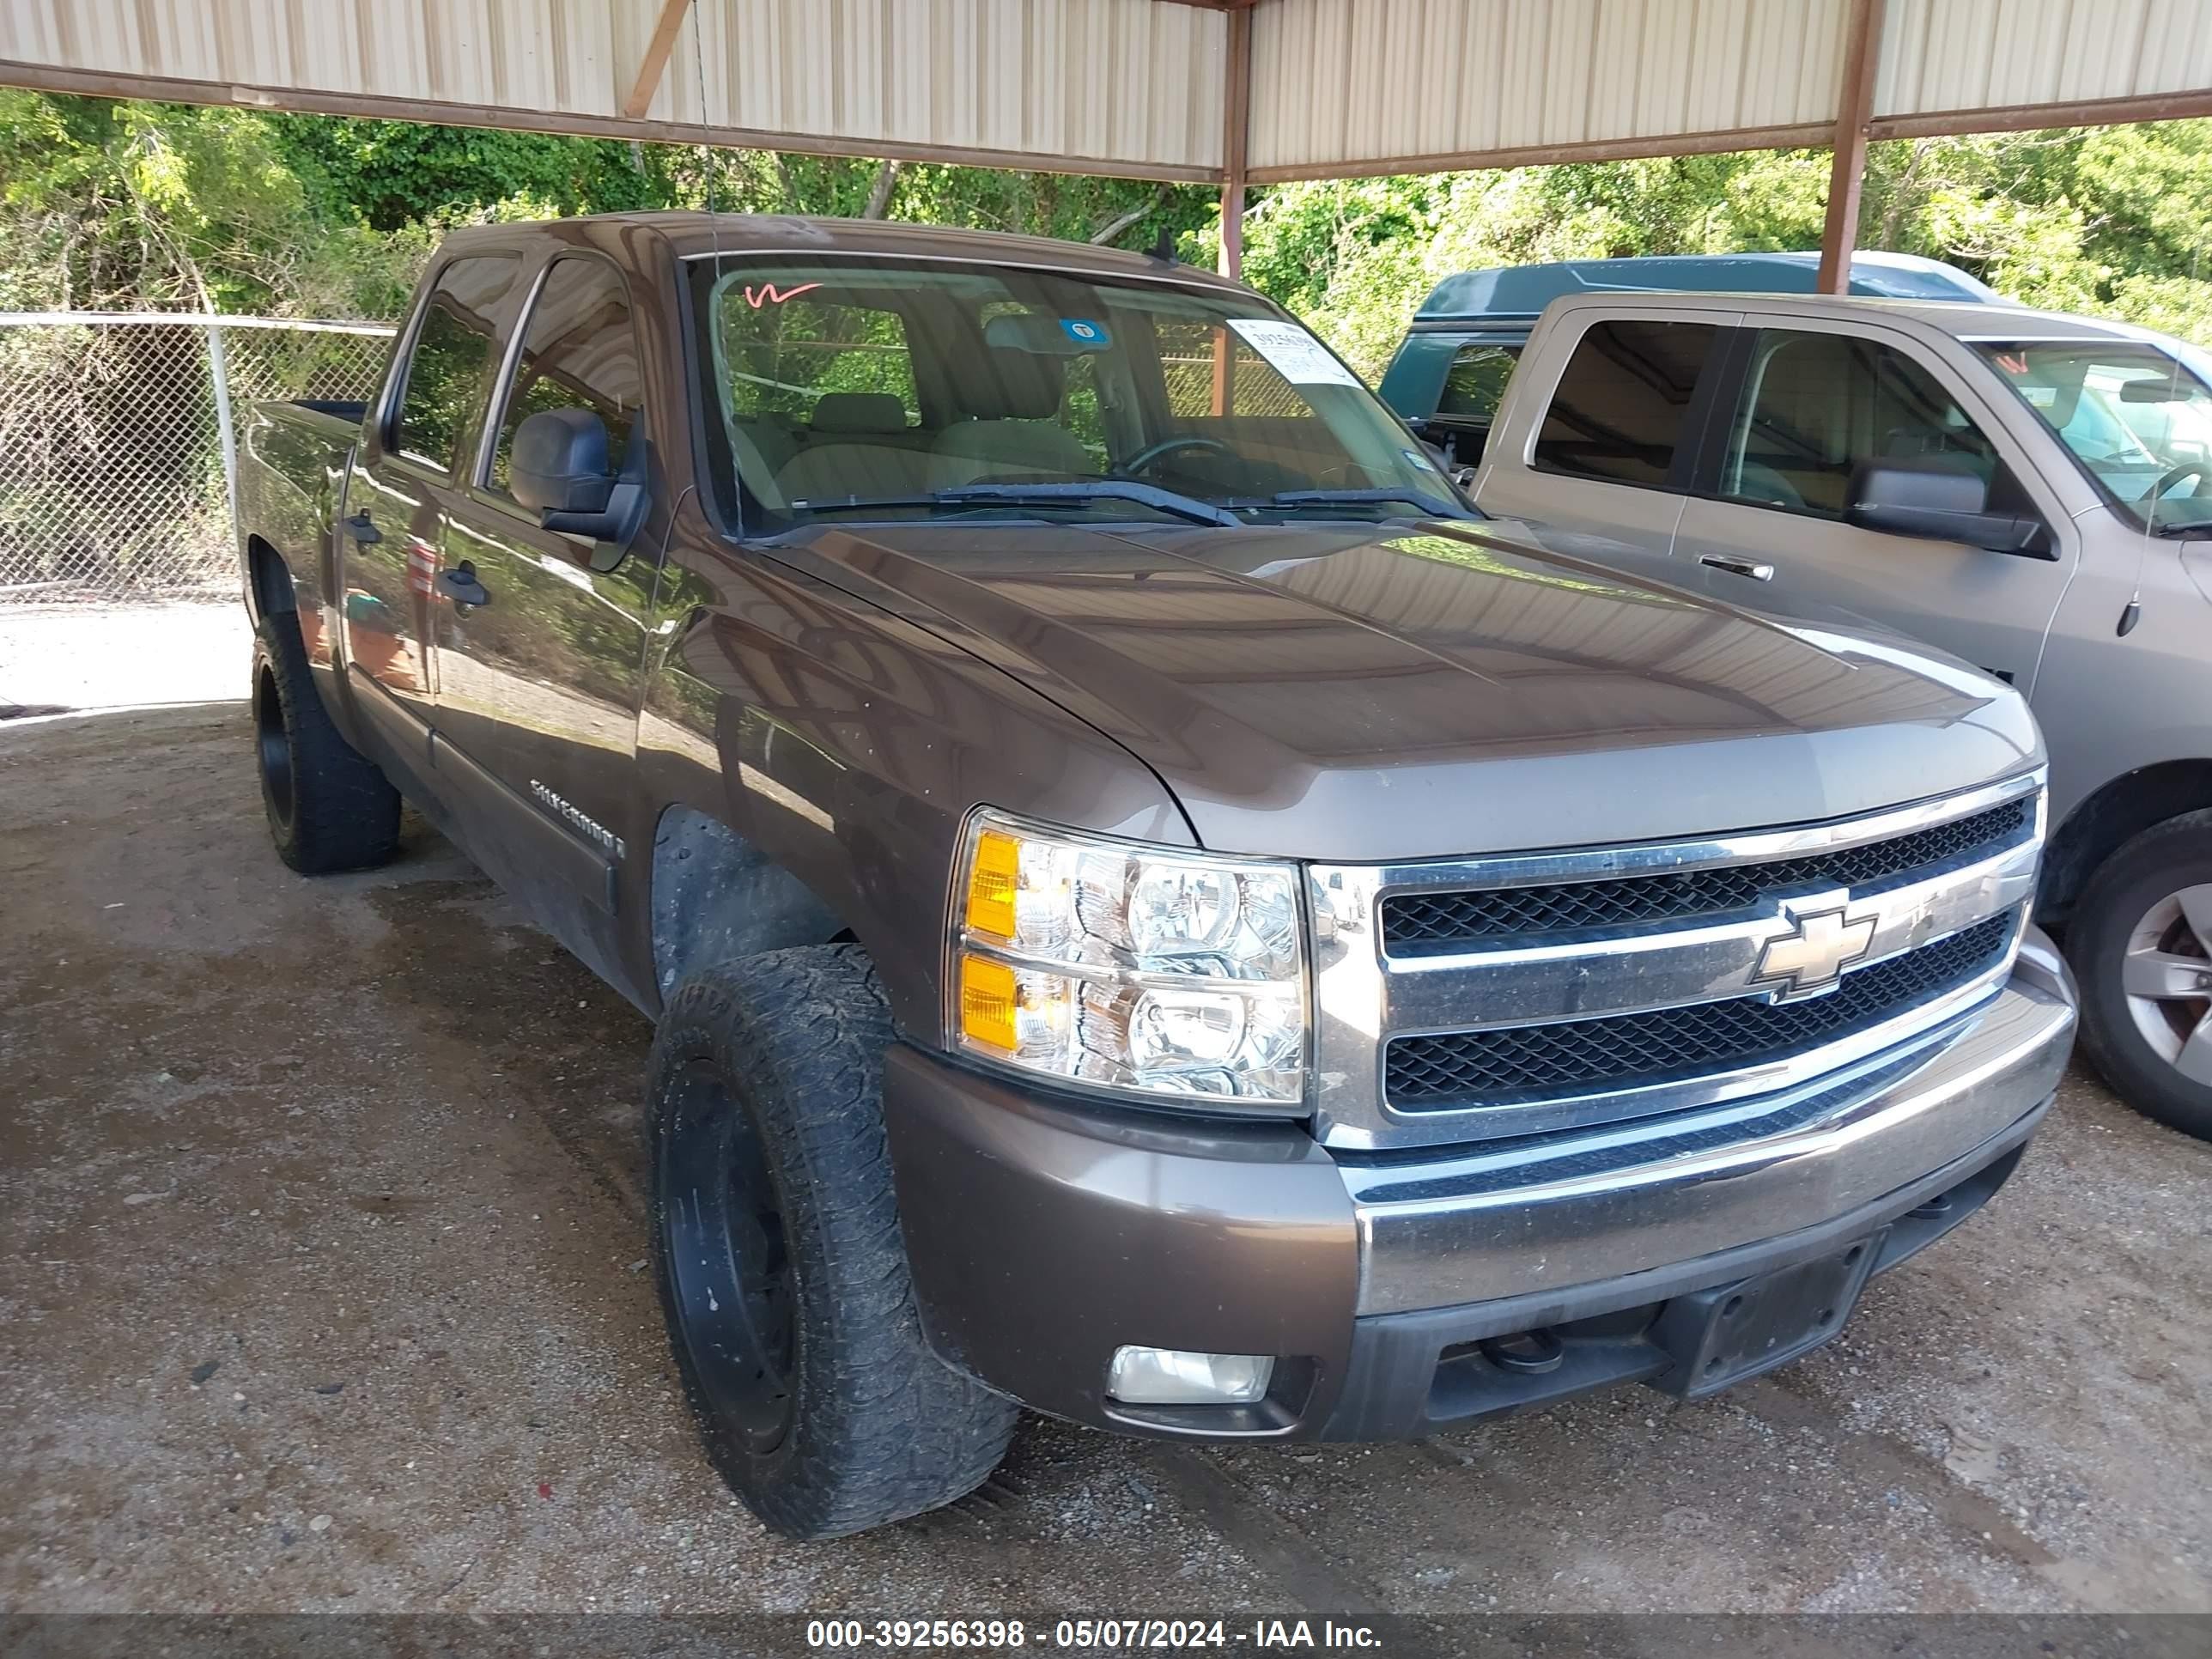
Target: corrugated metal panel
[[1126, 82], [1112, 80], [1342, 81], [547, 55], [1982, 54], [1133, 85]]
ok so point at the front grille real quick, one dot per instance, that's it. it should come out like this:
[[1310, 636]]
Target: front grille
[[1459, 1069], [1416, 922]]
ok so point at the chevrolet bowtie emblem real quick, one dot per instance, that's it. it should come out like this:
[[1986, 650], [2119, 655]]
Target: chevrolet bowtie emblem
[[1813, 956]]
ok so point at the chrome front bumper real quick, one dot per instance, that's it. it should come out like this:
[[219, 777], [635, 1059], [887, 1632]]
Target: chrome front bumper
[[1521, 1221], [1042, 1234]]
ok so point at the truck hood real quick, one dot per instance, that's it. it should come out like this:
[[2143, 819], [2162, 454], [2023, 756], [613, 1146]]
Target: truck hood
[[1353, 694]]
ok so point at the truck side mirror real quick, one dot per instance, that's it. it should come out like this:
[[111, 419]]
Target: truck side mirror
[[1939, 501], [560, 468]]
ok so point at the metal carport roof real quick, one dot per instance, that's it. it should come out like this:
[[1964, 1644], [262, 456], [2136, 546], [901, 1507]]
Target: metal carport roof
[[1223, 91]]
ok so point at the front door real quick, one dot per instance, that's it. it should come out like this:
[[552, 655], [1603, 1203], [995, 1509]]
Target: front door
[[538, 683], [392, 519], [1817, 401]]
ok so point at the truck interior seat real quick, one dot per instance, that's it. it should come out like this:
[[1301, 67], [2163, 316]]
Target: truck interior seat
[[1011, 400], [861, 446], [772, 439], [843, 414]]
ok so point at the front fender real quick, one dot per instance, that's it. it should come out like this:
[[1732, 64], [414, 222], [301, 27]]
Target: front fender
[[844, 746]]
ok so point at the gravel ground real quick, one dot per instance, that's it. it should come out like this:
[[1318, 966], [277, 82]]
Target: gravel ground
[[321, 1288]]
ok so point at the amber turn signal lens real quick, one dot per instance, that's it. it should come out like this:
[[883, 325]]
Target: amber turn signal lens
[[992, 878], [986, 1003]]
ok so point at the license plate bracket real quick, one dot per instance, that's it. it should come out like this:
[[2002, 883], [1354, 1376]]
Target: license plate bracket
[[1722, 1335]]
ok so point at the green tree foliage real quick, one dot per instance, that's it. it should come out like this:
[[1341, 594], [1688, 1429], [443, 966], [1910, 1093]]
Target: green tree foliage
[[2111, 220], [106, 203], [109, 204], [391, 175]]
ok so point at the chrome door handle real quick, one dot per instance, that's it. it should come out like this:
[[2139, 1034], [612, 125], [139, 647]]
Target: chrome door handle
[[461, 587], [1751, 567]]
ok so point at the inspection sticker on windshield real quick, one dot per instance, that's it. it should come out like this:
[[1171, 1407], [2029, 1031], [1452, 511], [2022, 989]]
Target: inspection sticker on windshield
[[1297, 356], [1086, 333]]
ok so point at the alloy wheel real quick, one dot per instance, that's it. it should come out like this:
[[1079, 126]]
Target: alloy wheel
[[2166, 976]]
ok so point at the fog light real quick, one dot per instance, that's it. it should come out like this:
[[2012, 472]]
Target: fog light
[[1169, 1376]]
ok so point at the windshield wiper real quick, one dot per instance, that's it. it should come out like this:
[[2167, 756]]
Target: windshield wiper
[[1433, 506], [1094, 489], [2181, 527], [1040, 494]]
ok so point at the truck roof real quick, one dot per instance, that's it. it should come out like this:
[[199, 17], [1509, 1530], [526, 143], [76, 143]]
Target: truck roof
[[1524, 290], [2008, 322], [691, 234]]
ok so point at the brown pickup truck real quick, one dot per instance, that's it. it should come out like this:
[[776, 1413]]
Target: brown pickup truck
[[1153, 912]]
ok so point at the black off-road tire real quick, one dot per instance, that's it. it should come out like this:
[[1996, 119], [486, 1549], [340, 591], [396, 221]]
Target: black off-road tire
[[781, 1270], [2160, 861], [329, 806]]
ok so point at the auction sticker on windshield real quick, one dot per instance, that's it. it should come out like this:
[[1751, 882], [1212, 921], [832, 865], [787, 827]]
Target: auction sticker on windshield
[[1296, 355]]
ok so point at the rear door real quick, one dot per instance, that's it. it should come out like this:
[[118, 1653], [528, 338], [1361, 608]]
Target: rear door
[[1596, 440], [538, 683], [1813, 401], [392, 519]]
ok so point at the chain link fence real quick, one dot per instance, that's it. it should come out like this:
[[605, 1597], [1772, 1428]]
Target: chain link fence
[[1191, 384], [119, 436]]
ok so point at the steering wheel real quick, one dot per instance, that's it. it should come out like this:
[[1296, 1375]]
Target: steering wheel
[[2174, 475], [1151, 454]]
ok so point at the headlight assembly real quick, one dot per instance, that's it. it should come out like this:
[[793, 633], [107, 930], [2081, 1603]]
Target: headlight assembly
[[1128, 967]]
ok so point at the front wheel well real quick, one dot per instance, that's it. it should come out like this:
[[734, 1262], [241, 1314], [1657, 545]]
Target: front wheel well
[[2122, 810], [716, 897], [268, 580]]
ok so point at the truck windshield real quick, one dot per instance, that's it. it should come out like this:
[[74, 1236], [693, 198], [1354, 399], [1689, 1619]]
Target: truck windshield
[[2137, 421], [900, 388]]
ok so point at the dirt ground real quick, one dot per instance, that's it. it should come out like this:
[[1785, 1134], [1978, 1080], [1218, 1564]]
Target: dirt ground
[[322, 1288]]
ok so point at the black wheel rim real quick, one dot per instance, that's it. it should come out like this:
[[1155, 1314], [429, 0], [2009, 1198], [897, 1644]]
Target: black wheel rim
[[274, 749], [729, 1271]]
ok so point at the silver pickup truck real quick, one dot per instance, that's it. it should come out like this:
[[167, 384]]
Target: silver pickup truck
[[1151, 913], [2029, 492]]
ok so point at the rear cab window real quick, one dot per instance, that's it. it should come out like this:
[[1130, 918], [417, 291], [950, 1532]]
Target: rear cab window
[[1621, 412], [456, 349], [1474, 384], [819, 389]]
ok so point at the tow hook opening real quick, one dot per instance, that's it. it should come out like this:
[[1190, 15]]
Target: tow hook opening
[[1531, 1352]]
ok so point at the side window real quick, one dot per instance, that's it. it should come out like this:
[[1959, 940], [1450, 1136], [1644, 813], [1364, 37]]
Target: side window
[[1816, 407], [1475, 384], [456, 349], [579, 351], [1620, 409]]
